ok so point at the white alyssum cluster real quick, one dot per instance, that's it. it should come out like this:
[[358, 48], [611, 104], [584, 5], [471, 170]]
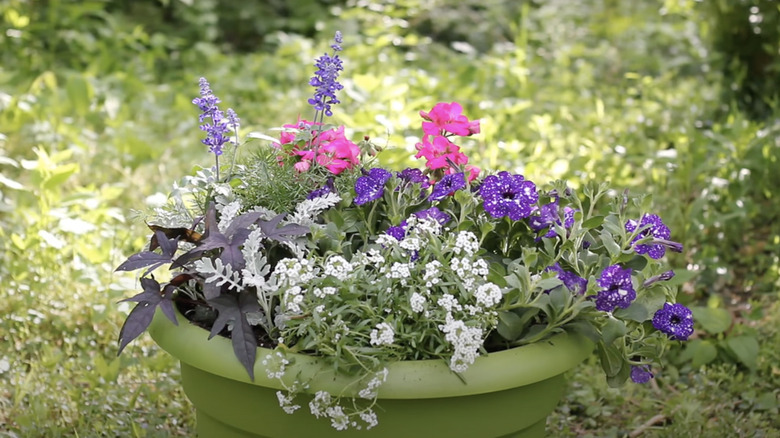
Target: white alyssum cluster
[[383, 334], [432, 273], [292, 299], [275, 365], [469, 271], [488, 295], [398, 270], [466, 242], [338, 267], [417, 301], [465, 340], [286, 402], [370, 390], [325, 291], [411, 243], [449, 303], [293, 272]]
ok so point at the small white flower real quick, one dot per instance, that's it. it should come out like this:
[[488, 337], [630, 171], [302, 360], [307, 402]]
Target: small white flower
[[338, 419], [449, 303], [466, 242], [488, 295], [4, 365], [370, 418], [383, 334], [411, 244], [322, 293], [286, 402], [465, 341], [337, 266], [418, 302], [319, 403], [432, 271]]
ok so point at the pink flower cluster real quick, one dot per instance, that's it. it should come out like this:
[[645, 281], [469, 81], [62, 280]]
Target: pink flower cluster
[[442, 122], [332, 148]]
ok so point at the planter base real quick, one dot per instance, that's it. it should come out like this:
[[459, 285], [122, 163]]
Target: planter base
[[253, 408]]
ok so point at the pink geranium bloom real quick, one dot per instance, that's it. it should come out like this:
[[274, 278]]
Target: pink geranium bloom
[[448, 118], [338, 155], [440, 152]]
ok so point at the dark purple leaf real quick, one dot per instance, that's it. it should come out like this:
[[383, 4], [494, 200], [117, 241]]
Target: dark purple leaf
[[283, 233], [152, 259], [141, 316], [232, 307], [245, 345], [136, 323]]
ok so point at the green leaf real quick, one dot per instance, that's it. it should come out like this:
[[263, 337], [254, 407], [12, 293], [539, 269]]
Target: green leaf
[[644, 307], [745, 348], [59, 175], [609, 244], [613, 329], [712, 320], [593, 222], [611, 358], [79, 94], [512, 324]]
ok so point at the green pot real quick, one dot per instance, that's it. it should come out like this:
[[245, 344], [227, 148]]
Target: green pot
[[504, 394]]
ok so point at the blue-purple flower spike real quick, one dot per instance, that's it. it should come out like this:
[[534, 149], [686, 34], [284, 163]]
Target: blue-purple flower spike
[[217, 129], [325, 80]]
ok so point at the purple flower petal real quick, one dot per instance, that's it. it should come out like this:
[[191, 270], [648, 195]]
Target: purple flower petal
[[675, 320], [617, 289], [508, 195]]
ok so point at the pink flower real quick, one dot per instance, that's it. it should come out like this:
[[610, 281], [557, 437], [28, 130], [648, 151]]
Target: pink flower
[[447, 118], [333, 150], [338, 155], [440, 152]]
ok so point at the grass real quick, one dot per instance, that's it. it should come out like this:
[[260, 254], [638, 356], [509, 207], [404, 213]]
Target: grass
[[92, 135]]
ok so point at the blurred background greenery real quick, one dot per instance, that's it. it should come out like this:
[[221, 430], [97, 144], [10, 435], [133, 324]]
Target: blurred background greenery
[[677, 99]]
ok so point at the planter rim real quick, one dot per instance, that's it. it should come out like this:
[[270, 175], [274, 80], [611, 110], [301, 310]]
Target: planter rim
[[432, 378]]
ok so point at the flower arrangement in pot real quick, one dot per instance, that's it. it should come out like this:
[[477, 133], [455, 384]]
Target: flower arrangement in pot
[[309, 246]]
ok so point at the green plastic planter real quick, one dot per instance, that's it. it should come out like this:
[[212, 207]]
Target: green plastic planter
[[504, 394]]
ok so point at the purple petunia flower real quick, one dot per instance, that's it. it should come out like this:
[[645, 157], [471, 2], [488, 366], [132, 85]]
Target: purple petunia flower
[[322, 191], [398, 231], [435, 214], [413, 176], [448, 185], [618, 291], [325, 79], [641, 373], [508, 195], [656, 229], [572, 281], [218, 127], [675, 320], [548, 215], [371, 186]]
